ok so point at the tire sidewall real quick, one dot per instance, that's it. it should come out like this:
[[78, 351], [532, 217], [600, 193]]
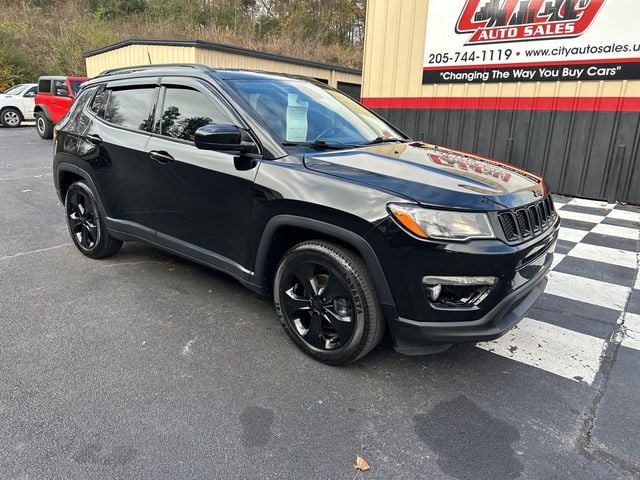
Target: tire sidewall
[[337, 266], [84, 188], [43, 127], [10, 110]]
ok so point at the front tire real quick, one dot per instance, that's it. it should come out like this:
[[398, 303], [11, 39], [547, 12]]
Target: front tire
[[86, 223], [327, 303], [44, 126], [11, 118]]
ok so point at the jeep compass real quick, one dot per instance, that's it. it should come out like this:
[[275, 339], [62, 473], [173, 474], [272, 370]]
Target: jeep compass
[[300, 193]]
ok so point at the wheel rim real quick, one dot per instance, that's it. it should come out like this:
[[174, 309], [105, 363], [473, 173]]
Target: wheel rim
[[83, 220], [318, 306], [40, 124], [11, 118]]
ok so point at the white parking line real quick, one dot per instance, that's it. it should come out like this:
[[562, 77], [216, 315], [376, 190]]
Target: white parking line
[[587, 290], [582, 217], [557, 258], [632, 337], [592, 204], [604, 254], [615, 231], [625, 215], [571, 235], [556, 350]]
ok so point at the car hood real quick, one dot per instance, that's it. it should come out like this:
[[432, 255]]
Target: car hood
[[432, 175]]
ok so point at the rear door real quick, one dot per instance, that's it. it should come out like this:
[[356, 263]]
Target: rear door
[[28, 102], [120, 129], [201, 200]]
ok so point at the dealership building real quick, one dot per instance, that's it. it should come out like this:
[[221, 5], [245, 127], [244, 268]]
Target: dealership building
[[134, 52], [551, 86]]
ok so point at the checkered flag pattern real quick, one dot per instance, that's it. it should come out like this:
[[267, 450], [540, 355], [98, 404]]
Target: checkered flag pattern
[[593, 294]]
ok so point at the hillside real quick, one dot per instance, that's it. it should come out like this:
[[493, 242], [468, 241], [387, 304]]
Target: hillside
[[40, 37]]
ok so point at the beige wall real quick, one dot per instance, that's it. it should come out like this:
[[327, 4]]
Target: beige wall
[[394, 55], [139, 55]]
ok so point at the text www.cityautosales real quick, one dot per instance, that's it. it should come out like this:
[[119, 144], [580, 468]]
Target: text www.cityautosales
[[566, 52]]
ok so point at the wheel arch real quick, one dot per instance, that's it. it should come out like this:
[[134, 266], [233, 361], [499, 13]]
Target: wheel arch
[[298, 229], [42, 109], [12, 107], [67, 174]]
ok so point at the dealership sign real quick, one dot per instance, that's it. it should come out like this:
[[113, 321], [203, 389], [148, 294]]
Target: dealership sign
[[531, 40]]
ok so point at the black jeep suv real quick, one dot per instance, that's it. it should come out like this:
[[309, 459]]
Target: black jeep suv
[[301, 193]]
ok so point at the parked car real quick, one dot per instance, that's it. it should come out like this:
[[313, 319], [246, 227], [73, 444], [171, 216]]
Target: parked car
[[54, 98], [16, 104], [299, 192]]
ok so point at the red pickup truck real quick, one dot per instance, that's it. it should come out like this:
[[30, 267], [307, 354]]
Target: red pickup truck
[[53, 100]]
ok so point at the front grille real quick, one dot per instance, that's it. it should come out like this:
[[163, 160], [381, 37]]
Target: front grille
[[524, 223]]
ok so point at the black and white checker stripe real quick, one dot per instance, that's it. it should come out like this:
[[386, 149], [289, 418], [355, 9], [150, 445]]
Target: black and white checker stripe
[[593, 290]]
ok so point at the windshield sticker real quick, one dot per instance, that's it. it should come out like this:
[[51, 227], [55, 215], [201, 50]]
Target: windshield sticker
[[297, 123]]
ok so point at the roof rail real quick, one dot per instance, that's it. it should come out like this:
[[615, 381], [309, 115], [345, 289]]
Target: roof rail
[[139, 68]]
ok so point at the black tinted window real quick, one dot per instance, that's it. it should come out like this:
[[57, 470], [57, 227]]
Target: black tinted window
[[78, 120], [186, 110], [44, 86], [130, 108]]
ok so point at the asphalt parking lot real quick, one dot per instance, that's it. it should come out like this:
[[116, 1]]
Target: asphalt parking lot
[[148, 366]]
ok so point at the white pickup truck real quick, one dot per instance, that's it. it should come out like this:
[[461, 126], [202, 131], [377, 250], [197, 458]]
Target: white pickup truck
[[17, 103]]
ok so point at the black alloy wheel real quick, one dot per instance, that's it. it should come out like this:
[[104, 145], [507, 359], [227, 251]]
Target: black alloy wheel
[[86, 225], [327, 302]]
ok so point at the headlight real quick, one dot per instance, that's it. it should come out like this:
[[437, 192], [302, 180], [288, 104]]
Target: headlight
[[442, 224]]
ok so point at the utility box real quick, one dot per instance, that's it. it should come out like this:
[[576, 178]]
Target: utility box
[[552, 86]]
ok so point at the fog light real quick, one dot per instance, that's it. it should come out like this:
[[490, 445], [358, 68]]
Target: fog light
[[433, 291], [458, 292]]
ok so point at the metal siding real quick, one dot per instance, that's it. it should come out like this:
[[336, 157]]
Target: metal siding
[[579, 152]]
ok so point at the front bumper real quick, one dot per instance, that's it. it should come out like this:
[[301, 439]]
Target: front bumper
[[420, 338], [419, 327]]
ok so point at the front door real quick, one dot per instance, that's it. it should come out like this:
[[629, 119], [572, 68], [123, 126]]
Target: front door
[[202, 202], [60, 101]]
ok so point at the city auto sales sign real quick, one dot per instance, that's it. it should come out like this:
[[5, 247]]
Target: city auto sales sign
[[476, 41]]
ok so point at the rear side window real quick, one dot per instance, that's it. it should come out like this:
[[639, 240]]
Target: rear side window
[[100, 102], [44, 86], [130, 108], [186, 110]]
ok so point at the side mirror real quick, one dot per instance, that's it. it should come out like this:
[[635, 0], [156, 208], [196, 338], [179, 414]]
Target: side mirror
[[29, 94], [226, 138]]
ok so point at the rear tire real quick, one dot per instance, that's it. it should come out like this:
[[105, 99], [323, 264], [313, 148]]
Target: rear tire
[[11, 118], [44, 126], [86, 223], [327, 303]]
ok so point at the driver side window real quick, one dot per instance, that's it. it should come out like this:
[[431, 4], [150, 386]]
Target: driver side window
[[31, 92], [185, 110], [60, 88]]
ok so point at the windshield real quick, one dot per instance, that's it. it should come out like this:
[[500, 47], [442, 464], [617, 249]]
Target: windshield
[[301, 112], [16, 89], [75, 86]]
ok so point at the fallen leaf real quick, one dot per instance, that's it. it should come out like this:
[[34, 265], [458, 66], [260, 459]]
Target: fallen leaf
[[142, 344], [361, 464], [27, 191]]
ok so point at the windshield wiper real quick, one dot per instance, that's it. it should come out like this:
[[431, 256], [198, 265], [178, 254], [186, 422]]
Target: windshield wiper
[[319, 144], [379, 140]]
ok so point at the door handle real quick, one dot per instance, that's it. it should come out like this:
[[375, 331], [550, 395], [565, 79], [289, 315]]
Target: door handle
[[93, 138], [161, 157]]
